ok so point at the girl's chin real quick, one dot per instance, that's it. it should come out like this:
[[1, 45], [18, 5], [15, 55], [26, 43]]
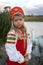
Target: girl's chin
[[19, 26]]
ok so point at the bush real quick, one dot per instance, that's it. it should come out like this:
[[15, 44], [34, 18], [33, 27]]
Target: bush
[[4, 26]]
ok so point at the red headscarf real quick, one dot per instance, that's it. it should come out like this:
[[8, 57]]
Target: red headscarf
[[15, 10]]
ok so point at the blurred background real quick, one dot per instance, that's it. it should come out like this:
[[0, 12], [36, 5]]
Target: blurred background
[[33, 10]]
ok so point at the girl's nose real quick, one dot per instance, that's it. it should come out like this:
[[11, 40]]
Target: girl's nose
[[19, 21]]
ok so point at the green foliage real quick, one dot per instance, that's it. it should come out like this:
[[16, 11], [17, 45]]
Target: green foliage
[[4, 26], [0, 56]]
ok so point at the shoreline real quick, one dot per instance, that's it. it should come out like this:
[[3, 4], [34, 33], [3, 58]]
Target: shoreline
[[33, 18]]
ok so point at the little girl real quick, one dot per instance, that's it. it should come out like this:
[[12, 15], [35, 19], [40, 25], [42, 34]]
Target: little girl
[[17, 46]]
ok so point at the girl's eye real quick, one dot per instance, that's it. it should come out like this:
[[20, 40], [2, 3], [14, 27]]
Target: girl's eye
[[16, 20], [20, 19]]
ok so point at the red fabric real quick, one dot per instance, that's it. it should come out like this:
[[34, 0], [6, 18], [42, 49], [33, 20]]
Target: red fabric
[[20, 46], [15, 10]]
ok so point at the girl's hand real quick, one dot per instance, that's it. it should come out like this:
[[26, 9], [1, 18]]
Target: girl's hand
[[26, 57], [25, 60]]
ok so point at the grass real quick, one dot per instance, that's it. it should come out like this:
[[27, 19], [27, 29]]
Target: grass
[[34, 18]]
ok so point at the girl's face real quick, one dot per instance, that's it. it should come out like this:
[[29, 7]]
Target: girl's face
[[18, 21]]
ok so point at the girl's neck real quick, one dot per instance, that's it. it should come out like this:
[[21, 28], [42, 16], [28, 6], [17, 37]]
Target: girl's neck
[[19, 30]]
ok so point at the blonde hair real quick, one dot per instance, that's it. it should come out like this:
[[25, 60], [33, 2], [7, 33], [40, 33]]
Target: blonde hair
[[23, 28]]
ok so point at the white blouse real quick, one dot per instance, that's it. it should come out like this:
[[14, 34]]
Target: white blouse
[[12, 52]]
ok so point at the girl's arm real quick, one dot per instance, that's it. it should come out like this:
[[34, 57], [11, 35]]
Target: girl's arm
[[29, 49], [10, 46]]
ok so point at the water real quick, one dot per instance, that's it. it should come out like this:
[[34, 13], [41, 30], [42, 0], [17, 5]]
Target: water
[[37, 27], [36, 30]]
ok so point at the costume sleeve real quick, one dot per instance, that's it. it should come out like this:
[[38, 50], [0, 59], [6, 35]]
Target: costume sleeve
[[29, 48], [10, 46]]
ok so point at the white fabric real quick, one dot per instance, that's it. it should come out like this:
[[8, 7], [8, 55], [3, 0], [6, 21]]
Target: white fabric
[[29, 48], [29, 45], [13, 54]]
